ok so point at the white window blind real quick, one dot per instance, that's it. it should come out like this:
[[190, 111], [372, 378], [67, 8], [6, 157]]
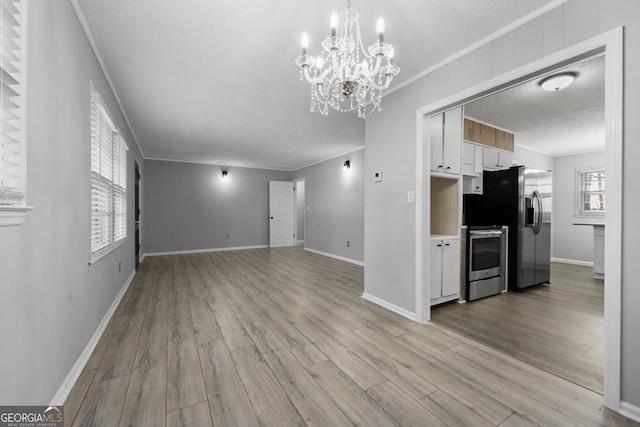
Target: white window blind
[[108, 183], [12, 160]]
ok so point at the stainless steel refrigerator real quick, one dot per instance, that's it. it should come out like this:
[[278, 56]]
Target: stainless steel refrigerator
[[519, 198]]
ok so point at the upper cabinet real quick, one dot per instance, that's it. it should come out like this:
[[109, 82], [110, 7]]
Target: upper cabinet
[[487, 135], [471, 159], [493, 159], [445, 134], [496, 146]]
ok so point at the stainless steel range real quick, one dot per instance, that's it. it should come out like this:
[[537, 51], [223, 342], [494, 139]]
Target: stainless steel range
[[486, 261]]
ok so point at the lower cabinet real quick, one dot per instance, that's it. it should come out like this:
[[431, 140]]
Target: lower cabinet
[[445, 269], [472, 185], [598, 251]]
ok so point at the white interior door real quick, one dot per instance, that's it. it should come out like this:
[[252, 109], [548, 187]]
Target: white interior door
[[281, 211]]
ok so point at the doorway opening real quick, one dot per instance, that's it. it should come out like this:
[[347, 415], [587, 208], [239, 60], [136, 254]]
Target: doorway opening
[[611, 44], [136, 214], [558, 325], [300, 211]]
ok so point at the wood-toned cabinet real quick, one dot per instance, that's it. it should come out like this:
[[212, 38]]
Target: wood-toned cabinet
[[487, 135], [445, 135], [445, 269]]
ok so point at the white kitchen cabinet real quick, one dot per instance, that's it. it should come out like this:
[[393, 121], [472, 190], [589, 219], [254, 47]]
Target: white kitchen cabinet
[[598, 251], [471, 159], [445, 269], [495, 159], [472, 185], [445, 135]]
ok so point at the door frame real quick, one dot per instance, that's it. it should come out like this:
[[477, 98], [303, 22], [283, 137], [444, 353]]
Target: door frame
[[304, 210], [137, 214], [611, 43]]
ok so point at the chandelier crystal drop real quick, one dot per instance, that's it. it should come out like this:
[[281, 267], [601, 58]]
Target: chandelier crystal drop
[[346, 76]]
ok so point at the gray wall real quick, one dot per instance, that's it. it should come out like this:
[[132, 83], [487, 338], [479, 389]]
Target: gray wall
[[52, 301], [300, 208], [189, 206], [336, 206], [572, 242], [391, 148]]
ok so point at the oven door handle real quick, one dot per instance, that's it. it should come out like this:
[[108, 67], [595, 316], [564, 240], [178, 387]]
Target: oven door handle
[[486, 233]]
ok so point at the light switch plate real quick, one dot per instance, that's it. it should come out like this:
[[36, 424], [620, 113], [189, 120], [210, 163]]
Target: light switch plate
[[410, 196]]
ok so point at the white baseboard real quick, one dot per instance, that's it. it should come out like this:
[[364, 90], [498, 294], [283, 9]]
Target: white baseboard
[[391, 307], [299, 242], [630, 411], [65, 388], [572, 262], [198, 251], [142, 258], [341, 258]]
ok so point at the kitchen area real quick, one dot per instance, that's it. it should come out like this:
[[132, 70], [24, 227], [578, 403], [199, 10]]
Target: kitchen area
[[517, 226]]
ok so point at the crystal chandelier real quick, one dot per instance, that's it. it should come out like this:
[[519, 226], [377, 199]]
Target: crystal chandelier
[[347, 77]]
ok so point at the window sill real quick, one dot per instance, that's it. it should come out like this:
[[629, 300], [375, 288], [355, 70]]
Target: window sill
[[104, 252], [594, 215], [13, 215]]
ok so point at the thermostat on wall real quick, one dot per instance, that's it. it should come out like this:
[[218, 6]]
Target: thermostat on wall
[[377, 177]]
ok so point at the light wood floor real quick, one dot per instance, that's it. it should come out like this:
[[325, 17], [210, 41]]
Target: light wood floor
[[282, 337], [558, 328]]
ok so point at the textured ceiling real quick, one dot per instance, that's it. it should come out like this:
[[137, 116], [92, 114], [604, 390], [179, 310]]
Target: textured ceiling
[[211, 81], [556, 123]]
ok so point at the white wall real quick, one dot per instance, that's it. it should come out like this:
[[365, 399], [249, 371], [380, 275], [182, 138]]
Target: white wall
[[571, 242], [52, 301], [391, 147], [532, 159], [336, 206]]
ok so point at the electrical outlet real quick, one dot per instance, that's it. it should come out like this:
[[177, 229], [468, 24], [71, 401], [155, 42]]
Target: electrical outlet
[[227, 236], [119, 267], [348, 244]]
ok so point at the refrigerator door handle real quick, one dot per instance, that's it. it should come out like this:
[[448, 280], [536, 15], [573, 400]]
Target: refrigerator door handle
[[538, 217]]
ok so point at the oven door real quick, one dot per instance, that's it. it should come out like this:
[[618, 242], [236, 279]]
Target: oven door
[[485, 257]]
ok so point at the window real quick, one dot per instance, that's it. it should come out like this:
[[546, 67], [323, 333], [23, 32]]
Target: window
[[108, 182], [12, 149], [591, 192]]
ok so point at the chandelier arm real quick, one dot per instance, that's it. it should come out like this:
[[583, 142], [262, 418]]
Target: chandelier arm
[[323, 77], [324, 89], [308, 76]]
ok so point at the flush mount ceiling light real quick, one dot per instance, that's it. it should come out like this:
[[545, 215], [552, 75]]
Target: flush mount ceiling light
[[557, 82], [345, 76]]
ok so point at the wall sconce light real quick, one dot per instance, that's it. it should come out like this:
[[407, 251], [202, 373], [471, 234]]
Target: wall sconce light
[[346, 165], [225, 174]]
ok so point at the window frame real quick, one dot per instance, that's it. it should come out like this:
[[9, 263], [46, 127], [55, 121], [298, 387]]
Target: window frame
[[579, 191], [108, 185], [13, 207]]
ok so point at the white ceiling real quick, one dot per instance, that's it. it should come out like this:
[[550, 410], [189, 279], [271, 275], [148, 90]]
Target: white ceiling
[[211, 81], [556, 123]]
